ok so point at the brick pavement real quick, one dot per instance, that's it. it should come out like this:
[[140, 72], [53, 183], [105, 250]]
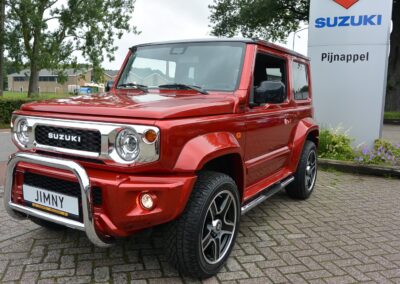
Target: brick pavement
[[347, 232], [2, 174]]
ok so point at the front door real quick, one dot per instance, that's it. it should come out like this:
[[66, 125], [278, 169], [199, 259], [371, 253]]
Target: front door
[[269, 125]]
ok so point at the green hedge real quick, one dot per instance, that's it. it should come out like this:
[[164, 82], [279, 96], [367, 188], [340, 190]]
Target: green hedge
[[392, 115], [7, 106], [12, 101]]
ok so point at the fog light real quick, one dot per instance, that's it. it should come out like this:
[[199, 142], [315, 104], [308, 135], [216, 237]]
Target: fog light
[[147, 202]]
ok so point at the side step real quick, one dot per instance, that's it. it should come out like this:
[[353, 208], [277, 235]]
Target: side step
[[266, 193]]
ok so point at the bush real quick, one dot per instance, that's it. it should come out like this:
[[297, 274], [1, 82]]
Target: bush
[[384, 153], [8, 106], [13, 101], [392, 115], [335, 145]]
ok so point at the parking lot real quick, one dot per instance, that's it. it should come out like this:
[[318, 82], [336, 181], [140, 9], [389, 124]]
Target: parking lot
[[347, 232]]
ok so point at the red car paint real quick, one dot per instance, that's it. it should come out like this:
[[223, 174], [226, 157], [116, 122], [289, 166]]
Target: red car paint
[[195, 130]]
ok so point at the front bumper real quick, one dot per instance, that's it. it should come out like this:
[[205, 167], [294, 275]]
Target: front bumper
[[119, 215]]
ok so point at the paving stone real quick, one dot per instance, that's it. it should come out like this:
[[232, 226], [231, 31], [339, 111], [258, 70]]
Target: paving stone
[[146, 274], [57, 273], [30, 277], [347, 232], [101, 274], [223, 276], [13, 273]]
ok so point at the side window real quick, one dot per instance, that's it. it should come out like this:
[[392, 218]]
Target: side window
[[300, 81], [269, 80]]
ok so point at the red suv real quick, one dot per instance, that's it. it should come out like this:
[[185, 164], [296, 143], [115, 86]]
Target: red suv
[[192, 134]]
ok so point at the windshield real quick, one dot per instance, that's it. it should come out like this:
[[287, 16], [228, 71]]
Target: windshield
[[214, 66]]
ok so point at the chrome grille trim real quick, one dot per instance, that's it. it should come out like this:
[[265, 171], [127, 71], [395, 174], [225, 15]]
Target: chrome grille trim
[[108, 133]]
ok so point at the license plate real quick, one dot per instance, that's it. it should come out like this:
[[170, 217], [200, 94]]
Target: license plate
[[50, 201]]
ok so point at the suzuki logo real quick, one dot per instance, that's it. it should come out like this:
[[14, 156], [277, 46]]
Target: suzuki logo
[[350, 20], [346, 3], [64, 137]]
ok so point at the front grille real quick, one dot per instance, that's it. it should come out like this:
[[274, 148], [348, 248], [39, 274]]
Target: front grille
[[62, 186], [70, 138]]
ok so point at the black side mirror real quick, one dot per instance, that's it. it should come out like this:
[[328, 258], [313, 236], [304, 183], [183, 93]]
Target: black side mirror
[[270, 92], [108, 86]]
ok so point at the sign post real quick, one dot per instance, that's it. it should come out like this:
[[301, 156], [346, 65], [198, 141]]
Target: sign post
[[349, 50]]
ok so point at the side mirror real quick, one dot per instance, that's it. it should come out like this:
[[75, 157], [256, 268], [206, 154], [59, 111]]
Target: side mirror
[[270, 92], [108, 86]]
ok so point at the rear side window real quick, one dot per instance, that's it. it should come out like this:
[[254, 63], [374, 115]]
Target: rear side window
[[300, 81]]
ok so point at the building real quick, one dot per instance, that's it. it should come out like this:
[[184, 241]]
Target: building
[[49, 83]]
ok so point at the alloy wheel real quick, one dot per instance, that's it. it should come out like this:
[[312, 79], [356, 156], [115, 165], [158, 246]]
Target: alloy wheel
[[311, 170], [219, 227]]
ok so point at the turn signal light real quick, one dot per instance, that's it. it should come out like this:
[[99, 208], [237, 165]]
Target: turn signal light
[[150, 136]]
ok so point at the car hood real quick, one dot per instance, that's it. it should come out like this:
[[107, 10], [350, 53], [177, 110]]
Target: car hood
[[144, 105]]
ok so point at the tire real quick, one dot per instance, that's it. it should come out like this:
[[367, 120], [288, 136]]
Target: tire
[[306, 174], [46, 224], [186, 235]]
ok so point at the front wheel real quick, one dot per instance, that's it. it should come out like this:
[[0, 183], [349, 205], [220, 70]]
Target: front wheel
[[201, 240], [306, 174]]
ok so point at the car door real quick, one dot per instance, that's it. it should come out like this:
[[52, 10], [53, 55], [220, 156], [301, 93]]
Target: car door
[[269, 125]]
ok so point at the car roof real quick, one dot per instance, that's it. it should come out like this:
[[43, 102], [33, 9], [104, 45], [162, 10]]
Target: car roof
[[244, 40]]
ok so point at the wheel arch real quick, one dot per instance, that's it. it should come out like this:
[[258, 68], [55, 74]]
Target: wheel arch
[[231, 165], [307, 129], [219, 152]]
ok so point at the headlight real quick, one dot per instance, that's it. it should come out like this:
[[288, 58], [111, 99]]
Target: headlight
[[22, 132], [127, 144]]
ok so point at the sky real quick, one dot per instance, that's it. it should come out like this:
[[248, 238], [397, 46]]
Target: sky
[[160, 20]]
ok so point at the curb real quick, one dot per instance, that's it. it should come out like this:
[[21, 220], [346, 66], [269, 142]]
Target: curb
[[391, 121], [351, 167]]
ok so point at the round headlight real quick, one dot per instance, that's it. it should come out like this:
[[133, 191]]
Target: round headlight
[[127, 145], [23, 132]]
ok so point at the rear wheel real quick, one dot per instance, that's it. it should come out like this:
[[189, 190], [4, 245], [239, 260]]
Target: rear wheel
[[201, 240], [306, 175]]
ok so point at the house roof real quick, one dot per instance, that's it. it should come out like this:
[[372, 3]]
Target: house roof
[[68, 72], [111, 73], [47, 72]]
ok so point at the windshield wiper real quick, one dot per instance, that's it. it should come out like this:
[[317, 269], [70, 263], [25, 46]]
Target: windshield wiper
[[143, 88], [184, 86]]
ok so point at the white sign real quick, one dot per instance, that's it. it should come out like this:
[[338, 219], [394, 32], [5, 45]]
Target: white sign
[[48, 200], [349, 50]]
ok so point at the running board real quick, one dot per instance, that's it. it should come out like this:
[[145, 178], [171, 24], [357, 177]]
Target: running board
[[267, 193]]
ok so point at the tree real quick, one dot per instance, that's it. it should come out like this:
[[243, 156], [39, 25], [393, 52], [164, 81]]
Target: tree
[[8, 68], [46, 33], [275, 19], [269, 19], [2, 44], [393, 91]]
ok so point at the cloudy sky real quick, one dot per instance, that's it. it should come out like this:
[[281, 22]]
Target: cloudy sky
[[160, 20]]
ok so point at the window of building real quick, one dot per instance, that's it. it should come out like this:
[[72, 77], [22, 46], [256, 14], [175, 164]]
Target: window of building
[[300, 81], [20, 79], [48, 79]]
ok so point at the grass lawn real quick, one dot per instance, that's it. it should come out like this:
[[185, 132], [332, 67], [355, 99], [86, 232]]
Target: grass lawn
[[392, 115], [43, 96]]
